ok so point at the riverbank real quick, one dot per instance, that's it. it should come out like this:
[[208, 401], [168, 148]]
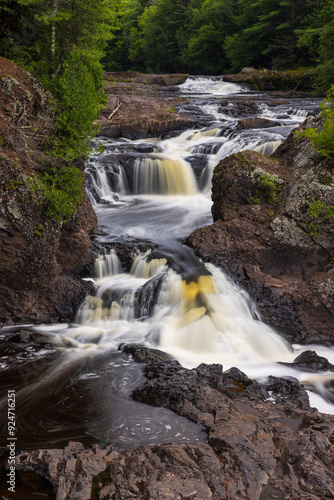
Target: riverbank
[[141, 106], [41, 259]]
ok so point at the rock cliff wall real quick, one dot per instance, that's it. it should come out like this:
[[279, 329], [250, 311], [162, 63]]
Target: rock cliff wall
[[40, 259]]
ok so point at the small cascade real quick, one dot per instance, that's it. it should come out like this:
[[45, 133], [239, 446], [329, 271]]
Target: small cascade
[[121, 297], [143, 268], [212, 132], [268, 148], [283, 113], [208, 148], [106, 178], [209, 85], [107, 264], [164, 176]]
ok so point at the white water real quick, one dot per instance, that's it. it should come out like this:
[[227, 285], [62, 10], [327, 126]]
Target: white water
[[173, 301], [209, 85]]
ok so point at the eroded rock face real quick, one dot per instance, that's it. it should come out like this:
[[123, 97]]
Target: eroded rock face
[[274, 233], [40, 260], [70, 470], [264, 441]]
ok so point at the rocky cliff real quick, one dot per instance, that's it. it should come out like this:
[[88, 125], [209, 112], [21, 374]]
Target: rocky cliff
[[274, 232], [40, 259]]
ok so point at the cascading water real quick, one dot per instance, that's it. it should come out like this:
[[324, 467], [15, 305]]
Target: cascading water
[[165, 298], [209, 85], [163, 176]]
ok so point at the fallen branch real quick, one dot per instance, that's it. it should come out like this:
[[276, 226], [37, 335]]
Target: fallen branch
[[116, 109]]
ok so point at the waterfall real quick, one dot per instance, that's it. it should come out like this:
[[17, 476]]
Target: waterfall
[[164, 176], [148, 198], [209, 85], [143, 268], [211, 319], [118, 296], [107, 264]]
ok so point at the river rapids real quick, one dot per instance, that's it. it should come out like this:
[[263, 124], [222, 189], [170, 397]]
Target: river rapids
[[149, 195]]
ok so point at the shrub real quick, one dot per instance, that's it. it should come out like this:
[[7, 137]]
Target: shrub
[[323, 141], [61, 190]]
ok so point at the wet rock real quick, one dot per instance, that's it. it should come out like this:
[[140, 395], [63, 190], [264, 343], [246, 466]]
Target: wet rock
[[238, 108], [142, 354], [311, 361], [259, 443], [144, 148], [250, 435], [199, 164], [283, 389], [256, 122]]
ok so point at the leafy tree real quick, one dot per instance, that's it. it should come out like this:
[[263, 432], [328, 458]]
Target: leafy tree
[[161, 29], [209, 24], [316, 37], [61, 42], [265, 34], [126, 16]]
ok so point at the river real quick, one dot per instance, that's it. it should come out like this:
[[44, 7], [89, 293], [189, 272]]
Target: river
[[149, 195]]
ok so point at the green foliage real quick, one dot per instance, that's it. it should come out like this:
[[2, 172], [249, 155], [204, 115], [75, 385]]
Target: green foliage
[[38, 230], [80, 93], [316, 37], [323, 141], [61, 42], [100, 149], [321, 212], [61, 191], [269, 187]]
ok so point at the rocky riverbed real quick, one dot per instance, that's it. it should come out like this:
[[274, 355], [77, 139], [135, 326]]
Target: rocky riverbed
[[264, 442], [246, 439]]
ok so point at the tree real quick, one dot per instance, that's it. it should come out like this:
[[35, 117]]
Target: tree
[[316, 37], [63, 50], [209, 25]]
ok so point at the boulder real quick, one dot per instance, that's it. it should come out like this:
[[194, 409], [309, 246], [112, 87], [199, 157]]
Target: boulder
[[256, 122], [263, 442]]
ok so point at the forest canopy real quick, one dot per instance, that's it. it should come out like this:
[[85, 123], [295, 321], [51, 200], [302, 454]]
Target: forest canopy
[[61, 42], [66, 44], [221, 36]]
